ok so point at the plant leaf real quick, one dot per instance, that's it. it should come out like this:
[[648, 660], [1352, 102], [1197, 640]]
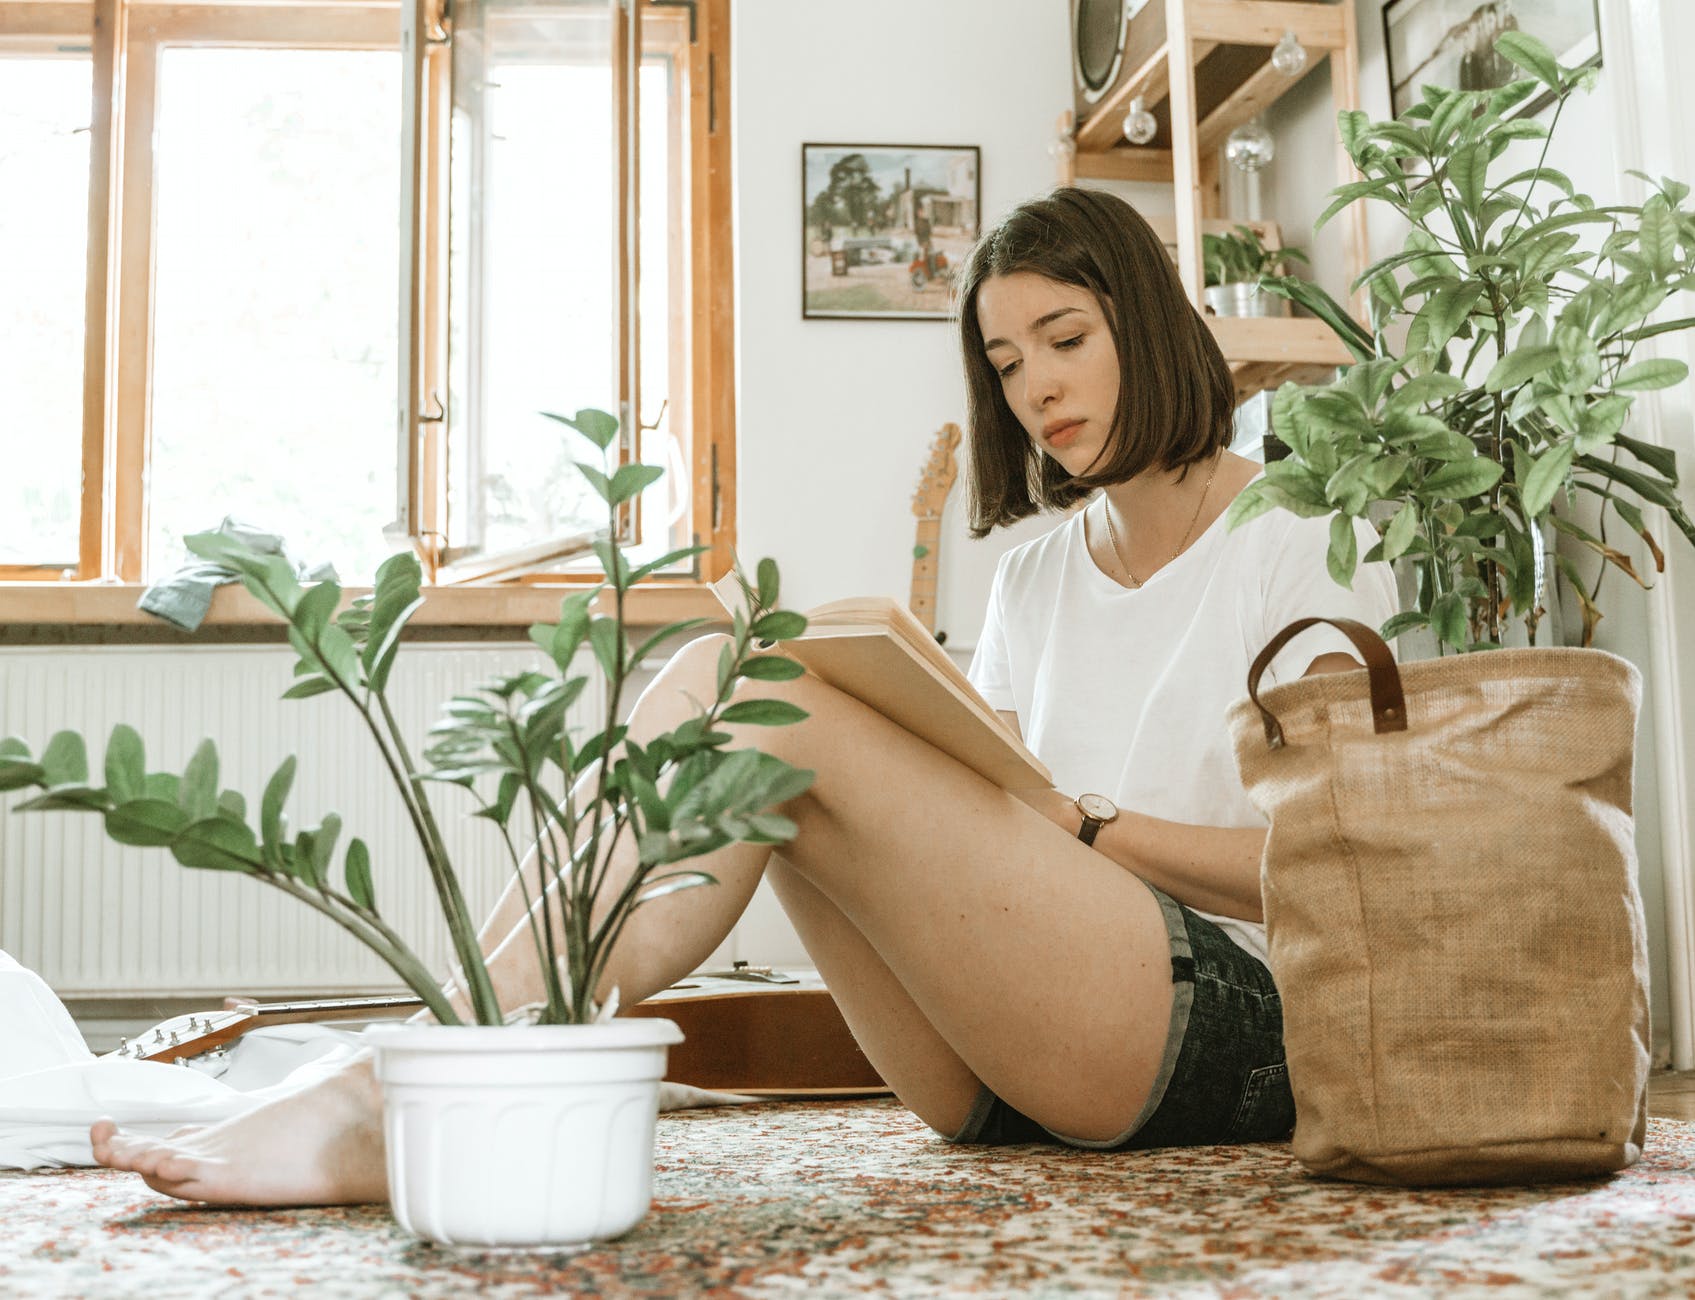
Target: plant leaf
[[65, 760], [1520, 365], [1644, 376], [1343, 557], [358, 872], [1545, 478], [218, 844], [1531, 55], [198, 794], [1458, 479], [764, 713], [771, 668], [779, 625], [126, 764], [1447, 618], [149, 823]]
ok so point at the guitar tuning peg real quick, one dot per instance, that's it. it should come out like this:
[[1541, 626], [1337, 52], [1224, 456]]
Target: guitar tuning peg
[[173, 1041], [123, 1046]]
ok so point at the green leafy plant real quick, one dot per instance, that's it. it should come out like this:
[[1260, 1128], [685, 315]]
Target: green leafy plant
[[1241, 258], [683, 794], [1511, 390]]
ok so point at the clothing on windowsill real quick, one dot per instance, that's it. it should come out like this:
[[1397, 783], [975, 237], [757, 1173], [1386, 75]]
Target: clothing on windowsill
[[184, 597]]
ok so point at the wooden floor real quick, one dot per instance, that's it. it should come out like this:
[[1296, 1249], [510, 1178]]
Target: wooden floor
[[1672, 1096]]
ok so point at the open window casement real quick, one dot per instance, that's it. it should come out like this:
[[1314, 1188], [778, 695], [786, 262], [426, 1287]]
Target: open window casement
[[559, 237]]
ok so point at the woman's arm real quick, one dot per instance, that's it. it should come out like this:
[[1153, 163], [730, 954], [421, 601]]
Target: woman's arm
[[1213, 868]]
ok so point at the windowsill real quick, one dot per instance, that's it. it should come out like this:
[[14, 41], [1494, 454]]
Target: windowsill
[[487, 612]]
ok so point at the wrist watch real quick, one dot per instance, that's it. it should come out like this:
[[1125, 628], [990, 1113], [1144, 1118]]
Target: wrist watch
[[1097, 811]]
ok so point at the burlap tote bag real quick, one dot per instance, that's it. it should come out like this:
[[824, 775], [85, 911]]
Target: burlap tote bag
[[1452, 913]]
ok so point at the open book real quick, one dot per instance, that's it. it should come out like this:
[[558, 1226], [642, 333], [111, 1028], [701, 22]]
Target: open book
[[874, 649]]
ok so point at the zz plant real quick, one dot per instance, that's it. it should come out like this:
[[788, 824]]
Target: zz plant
[[683, 794], [1510, 391]]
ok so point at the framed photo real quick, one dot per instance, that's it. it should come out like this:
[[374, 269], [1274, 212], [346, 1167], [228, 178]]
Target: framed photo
[[884, 227], [1452, 43]]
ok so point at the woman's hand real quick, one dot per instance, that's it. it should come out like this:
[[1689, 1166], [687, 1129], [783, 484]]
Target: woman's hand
[[1057, 806]]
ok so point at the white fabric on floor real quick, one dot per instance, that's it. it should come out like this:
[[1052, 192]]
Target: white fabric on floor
[[52, 1087]]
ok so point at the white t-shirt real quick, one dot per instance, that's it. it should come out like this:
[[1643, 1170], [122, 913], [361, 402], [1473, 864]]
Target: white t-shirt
[[1123, 691]]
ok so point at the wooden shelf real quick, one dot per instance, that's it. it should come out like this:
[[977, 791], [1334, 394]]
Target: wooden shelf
[[1230, 44], [1269, 351], [1203, 67]]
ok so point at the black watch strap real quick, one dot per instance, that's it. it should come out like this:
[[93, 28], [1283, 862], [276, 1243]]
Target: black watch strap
[[1089, 829]]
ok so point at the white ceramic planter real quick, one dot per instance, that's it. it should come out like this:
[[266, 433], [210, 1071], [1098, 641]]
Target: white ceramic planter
[[528, 1137]]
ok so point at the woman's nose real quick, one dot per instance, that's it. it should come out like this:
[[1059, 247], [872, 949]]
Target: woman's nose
[[1041, 385]]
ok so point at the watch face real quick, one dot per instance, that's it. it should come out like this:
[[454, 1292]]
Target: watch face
[[1097, 806]]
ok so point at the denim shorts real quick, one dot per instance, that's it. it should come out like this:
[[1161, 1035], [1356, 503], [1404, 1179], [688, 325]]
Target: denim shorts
[[1223, 1077]]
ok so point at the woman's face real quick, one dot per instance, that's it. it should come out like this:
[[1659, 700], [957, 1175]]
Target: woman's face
[[1058, 366]]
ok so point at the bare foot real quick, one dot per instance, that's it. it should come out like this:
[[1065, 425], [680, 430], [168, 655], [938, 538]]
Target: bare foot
[[322, 1145]]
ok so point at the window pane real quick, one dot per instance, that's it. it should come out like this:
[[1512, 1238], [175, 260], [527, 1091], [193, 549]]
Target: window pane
[[533, 313], [44, 105], [275, 335]]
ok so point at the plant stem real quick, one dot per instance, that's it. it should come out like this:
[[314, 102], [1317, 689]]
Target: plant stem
[[384, 942], [480, 988]]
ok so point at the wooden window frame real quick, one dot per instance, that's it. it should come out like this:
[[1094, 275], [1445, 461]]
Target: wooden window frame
[[125, 40]]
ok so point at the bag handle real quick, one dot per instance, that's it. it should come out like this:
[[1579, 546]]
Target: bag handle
[[1388, 703]]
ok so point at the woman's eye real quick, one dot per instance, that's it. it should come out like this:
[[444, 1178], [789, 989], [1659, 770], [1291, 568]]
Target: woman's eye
[[1005, 372], [1069, 343]]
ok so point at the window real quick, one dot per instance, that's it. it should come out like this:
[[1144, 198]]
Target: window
[[216, 254], [44, 92]]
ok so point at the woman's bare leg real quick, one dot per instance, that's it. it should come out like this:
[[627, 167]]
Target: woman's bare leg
[[982, 943]]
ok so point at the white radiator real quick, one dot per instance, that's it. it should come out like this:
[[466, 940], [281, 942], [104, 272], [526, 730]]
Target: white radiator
[[95, 918]]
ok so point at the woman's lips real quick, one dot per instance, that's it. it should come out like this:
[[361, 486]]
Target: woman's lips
[[1065, 435]]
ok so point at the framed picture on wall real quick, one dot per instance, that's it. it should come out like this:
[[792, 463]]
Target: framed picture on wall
[[1452, 43], [884, 228]]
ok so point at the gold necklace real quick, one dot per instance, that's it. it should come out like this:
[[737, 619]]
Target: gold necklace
[[1112, 535]]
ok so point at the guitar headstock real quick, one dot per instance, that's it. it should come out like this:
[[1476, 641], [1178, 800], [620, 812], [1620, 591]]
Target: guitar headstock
[[181, 1037], [939, 474]]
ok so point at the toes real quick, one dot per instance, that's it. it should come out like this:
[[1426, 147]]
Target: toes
[[100, 1138]]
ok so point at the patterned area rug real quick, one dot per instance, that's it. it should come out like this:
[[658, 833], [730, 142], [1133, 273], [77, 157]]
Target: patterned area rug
[[846, 1198]]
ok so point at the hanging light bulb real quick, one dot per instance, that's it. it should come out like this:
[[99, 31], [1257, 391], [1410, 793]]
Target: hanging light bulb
[[1139, 124], [1250, 146], [1289, 57]]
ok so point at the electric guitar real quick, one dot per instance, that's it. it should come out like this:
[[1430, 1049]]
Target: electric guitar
[[927, 503], [748, 1030]]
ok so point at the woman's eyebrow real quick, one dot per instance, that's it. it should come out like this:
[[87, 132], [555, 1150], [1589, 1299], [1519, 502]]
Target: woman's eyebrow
[[1034, 325]]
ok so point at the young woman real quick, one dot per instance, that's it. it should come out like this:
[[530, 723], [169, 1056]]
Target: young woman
[[1081, 964]]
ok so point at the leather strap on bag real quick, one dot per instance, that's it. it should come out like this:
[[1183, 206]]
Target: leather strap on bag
[[1388, 704]]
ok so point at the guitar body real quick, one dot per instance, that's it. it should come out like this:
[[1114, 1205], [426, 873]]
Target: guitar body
[[768, 1040]]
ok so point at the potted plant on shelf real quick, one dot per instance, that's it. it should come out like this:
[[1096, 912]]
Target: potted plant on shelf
[[532, 1128], [1468, 442], [1234, 265]]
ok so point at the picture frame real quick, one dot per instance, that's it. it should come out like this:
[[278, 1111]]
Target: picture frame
[[1451, 43], [884, 227]]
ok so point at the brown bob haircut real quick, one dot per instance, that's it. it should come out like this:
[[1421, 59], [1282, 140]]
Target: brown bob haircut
[[1175, 395]]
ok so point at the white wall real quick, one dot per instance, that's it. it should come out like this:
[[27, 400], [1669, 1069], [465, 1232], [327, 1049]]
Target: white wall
[[1633, 119], [836, 417]]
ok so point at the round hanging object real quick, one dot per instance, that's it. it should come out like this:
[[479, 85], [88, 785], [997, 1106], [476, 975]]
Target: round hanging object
[[1289, 57], [1139, 124], [1249, 147]]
